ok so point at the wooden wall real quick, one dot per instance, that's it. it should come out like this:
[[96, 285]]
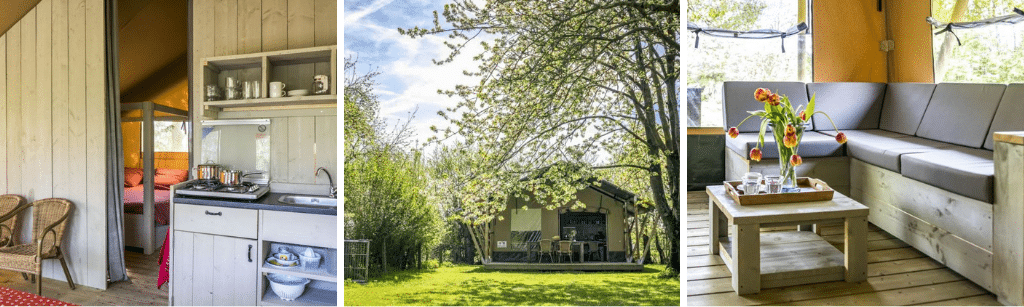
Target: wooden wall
[[52, 101], [301, 139]]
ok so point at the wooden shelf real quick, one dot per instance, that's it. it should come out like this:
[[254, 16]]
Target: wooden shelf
[[295, 67], [327, 271], [312, 297], [274, 102]]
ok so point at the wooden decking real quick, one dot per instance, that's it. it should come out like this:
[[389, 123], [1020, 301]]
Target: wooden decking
[[575, 266], [897, 274], [139, 291]]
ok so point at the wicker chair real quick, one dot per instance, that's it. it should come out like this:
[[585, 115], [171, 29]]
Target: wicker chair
[[50, 218], [545, 249], [564, 248], [10, 206]]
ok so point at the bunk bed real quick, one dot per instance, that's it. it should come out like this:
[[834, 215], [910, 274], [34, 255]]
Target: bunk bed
[[146, 207]]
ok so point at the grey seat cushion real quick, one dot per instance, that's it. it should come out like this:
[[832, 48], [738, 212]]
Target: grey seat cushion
[[961, 113], [738, 98], [966, 171], [1008, 115], [884, 149], [851, 105], [904, 106], [813, 145]]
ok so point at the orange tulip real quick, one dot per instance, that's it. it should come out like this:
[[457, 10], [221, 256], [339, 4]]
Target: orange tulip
[[762, 94], [790, 140], [774, 99], [841, 138], [733, 132], [790, 129], [802, 116], [795, 160], [755, 154]]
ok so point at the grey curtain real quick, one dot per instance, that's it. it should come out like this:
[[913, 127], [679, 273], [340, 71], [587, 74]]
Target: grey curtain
[[115, 156]]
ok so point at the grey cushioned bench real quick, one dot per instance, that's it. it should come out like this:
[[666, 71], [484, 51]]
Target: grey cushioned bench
[[920, 155]]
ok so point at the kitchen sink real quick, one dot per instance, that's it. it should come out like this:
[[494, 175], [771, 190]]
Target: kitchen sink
[[311, 201]]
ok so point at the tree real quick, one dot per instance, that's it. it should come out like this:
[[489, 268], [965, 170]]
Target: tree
[[384, 183], [558, 81]]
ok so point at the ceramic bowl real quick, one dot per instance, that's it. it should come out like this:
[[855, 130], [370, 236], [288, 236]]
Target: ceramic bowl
[[287, 287], [298, 93], [291, 259]]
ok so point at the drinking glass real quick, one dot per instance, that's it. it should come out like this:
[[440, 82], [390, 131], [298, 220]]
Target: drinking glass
[[751, 183], [774, 183]]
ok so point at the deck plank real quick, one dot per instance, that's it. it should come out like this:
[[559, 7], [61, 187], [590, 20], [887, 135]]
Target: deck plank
[[897, 274]]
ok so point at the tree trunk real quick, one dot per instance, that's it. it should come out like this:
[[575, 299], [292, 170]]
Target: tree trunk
[[647, 250], [657, 246]]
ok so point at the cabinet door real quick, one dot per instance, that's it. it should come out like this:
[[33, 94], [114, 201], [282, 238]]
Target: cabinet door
[[214, 270]]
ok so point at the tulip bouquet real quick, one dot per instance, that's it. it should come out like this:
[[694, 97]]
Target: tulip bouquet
[[779, 112]]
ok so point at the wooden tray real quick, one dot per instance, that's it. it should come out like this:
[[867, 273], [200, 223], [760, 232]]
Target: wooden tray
[[811, 189]]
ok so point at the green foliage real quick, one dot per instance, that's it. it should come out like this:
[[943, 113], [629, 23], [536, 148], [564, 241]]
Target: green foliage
[[474, 286], [385, 200]]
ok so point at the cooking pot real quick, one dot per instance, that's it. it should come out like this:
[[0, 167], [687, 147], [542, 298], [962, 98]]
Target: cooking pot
[[231, 177], [207, 171]]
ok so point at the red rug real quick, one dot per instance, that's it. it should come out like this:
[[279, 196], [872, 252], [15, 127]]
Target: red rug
[[11, 297]]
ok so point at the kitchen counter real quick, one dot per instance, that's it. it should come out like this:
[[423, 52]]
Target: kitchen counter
[[267, 202]]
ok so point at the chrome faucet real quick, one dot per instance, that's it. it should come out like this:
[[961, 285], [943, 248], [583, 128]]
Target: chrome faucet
[[334, 189]]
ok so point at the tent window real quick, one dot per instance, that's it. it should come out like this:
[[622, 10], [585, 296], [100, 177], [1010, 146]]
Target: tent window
[[525, 227], [984, 45]]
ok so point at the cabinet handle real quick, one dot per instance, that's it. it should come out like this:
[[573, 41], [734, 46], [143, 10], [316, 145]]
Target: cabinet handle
[[249, 253], [211, 213]]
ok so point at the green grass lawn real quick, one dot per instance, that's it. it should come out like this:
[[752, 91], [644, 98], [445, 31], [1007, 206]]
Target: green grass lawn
[[473, 285]]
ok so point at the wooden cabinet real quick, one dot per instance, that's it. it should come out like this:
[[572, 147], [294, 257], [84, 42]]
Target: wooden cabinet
[[218, 253], [214, 270]]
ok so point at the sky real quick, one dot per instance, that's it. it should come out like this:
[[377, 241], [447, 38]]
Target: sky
[[408, 79]]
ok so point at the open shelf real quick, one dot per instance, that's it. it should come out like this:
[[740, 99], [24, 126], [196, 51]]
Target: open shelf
[[294, 67], [274, 102], [327, 271], [311, 297]]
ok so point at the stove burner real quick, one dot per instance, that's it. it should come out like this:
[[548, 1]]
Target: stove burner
[[237, 189], [206, 185]]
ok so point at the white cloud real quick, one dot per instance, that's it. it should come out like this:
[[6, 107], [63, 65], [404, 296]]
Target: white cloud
[[354, 17]]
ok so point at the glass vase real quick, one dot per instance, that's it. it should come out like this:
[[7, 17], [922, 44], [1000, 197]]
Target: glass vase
[[787, 170]]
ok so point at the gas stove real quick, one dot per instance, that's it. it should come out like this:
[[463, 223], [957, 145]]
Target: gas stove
[[213, 188]]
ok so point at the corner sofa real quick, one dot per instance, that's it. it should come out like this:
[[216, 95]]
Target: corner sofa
[[919, 155]]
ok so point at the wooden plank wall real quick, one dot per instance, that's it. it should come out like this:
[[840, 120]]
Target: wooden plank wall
[[301, 140], [52, 139]]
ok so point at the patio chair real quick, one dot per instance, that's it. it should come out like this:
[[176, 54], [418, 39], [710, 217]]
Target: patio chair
[[545, 248], [10, 206], [564, 248], [593, 248], [49, 218]]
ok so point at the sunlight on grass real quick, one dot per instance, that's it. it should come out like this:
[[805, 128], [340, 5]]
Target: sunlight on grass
[[473, 285]]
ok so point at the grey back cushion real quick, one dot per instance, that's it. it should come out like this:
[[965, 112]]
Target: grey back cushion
[[904, 106], [738, 98], [961, 113], [851, 105], [1008, 115]]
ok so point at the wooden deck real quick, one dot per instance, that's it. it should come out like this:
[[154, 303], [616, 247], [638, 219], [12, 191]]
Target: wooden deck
[[897, 274], [575, 266]]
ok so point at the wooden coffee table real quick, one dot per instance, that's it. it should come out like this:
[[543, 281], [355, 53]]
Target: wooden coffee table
[[778, 259]]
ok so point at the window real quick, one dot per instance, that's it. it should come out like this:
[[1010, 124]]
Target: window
[[990, 54], [170, 136], [728, 59], [525, 227]]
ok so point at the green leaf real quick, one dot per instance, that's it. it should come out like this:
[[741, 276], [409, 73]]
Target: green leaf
[[758, 113], [810, 107], [764, 127]]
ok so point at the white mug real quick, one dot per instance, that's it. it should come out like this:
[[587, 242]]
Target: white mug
[[276, 89]]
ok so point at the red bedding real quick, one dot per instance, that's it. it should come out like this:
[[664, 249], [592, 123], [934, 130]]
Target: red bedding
[[133, 199]]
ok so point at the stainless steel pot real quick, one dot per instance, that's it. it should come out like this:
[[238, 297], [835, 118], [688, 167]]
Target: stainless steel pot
[[231, 177], [207, 171]]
